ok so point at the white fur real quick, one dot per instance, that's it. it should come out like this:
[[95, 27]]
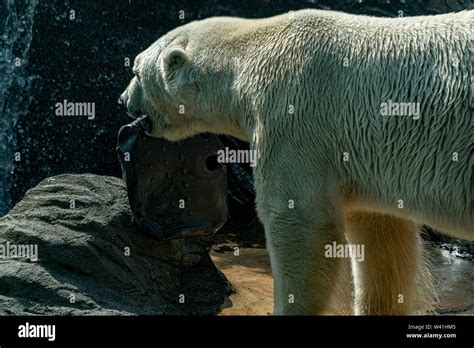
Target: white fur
[[241, 77]]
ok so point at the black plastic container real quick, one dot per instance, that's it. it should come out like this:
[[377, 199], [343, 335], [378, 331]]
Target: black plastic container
[[175, 189]]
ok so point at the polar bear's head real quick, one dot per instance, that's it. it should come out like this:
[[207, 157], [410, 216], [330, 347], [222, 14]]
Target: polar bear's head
[[183, 83]]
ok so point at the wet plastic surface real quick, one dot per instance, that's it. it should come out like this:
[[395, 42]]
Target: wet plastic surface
[[175, 189]]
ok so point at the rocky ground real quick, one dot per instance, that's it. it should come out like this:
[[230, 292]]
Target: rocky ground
[[250, 274]]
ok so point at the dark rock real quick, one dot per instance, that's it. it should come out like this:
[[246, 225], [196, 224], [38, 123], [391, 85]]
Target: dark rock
[[83, 226], [463, 249]]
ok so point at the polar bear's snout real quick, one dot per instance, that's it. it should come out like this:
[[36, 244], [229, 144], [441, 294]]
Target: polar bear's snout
[[131, 99], [128, 98]]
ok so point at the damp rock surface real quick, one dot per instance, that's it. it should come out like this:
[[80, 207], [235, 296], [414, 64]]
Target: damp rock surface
[[93, 260]]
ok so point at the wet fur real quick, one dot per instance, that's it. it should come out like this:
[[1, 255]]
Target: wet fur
[[241, 77]]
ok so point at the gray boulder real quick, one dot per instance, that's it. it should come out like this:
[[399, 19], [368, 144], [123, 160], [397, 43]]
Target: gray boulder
[[93, 260]]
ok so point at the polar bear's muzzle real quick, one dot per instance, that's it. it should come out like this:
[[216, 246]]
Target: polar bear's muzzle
[[146, 124], [131, 100]]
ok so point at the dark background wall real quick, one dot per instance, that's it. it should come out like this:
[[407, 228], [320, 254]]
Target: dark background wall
[[83, 60]]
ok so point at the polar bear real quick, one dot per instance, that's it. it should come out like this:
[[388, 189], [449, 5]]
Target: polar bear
[[363, 127]]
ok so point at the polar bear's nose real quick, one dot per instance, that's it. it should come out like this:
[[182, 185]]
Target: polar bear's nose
[[121, 99]]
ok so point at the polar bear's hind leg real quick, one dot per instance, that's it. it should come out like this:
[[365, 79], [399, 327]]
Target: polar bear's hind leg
[[386, 280]]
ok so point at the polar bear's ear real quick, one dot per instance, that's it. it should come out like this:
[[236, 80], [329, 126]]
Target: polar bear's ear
[[174, 58]]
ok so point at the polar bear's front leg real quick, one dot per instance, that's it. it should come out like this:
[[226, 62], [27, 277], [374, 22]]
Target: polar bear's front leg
[[303, 276], [296, 239]]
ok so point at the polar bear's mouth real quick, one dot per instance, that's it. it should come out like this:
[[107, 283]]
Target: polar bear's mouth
[[146, 123]]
